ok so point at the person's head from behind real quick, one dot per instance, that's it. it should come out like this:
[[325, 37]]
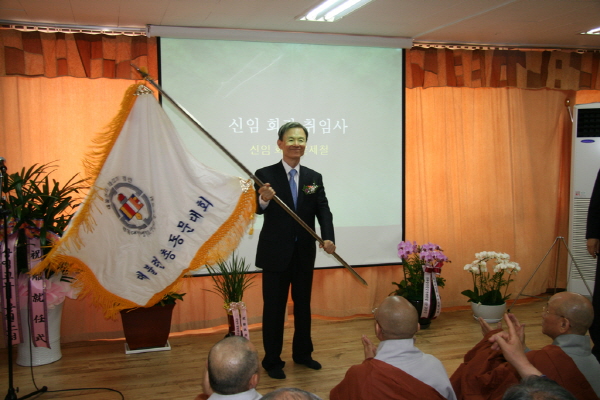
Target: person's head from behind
[[290, 394], [567, 313], [233, 366], [396, 318], [537, 388]]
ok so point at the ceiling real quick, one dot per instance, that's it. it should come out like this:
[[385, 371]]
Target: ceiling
[[504, 23]]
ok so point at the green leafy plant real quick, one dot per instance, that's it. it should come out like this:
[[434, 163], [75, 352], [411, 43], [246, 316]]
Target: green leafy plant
[[171, 298], [487, 286], [414, 259], [33, 200], [231, 278]]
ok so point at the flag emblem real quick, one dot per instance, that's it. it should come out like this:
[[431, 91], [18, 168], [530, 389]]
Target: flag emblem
[[130, 204]]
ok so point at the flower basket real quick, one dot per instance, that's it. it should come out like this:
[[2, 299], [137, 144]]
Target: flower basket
[[487, 298], [38, 210], [421, 266], [487, 286]]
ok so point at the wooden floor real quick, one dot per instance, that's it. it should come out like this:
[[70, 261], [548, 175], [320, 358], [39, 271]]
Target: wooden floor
[[177, 374]]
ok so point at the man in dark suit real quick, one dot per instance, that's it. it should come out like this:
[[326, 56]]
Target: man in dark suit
[[286, 251], [592, 235]]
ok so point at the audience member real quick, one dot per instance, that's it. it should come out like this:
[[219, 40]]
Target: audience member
[[396, 369], [537, 388], [232, 371], [290, 394], [486, 374]]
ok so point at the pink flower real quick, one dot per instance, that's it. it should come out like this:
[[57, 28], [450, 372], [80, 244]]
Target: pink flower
[[56, 289], [406, 248]]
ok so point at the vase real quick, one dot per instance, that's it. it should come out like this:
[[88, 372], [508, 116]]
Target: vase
[[147, 328], [491, 314], [426, 321], [29, 355]]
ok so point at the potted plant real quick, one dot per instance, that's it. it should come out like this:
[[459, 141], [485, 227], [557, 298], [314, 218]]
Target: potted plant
[[231, 279], [148, 328], [38, 211], [487, 298], [421, 266]]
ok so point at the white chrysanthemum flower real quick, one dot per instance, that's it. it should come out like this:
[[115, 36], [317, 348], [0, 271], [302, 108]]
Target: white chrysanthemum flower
[[467, 267]]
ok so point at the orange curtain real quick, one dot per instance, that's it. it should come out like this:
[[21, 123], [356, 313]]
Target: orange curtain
[[486, 169]]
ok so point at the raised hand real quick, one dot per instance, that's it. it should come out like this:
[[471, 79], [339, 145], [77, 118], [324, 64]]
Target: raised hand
[[369, 347], [486, 328], [513, 348]]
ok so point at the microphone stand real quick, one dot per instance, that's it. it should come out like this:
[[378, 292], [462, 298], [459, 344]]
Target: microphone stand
[[11, 394]]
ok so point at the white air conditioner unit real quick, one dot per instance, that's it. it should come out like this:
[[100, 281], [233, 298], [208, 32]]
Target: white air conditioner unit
[[585, 164]]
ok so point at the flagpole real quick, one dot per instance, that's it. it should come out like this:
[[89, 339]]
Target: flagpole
[[247, 171]]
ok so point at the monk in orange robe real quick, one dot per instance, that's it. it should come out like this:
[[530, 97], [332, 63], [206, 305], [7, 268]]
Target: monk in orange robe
[[396, 369], [485, 373]]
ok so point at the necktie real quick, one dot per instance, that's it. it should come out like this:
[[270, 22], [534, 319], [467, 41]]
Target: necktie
[[293, 186]]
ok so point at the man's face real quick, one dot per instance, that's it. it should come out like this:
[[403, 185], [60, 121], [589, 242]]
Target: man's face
[[551, 320], [293, 144]]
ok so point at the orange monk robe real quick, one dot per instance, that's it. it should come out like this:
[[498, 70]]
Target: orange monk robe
[[486, 375], [375, 379]]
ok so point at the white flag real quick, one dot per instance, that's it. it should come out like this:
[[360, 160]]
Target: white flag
[[153, 213]]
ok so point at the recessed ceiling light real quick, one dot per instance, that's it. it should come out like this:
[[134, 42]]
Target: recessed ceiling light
[[595, 31], [332, 10]]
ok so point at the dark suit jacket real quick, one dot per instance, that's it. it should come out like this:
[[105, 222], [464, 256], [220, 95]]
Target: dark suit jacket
[[593, 217], [280, 230]]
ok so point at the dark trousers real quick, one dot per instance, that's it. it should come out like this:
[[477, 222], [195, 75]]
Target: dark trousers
[[595, 328], [275, 286]]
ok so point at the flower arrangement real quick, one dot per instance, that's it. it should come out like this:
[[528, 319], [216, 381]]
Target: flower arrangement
[[231, 280], [487, 286], [39, 208], [416, 261], [310, 189]]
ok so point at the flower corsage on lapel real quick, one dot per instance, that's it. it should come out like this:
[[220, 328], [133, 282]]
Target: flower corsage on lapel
[[310, 189]]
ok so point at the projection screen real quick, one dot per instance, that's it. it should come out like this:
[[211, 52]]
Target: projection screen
[[350, 99]]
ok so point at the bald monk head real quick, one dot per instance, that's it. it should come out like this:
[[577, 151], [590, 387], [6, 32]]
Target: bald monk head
[[396, 318], [233, 366], [290, 394], [567, 313]]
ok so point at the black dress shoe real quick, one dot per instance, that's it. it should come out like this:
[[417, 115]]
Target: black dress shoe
[[276, 373], [312, 364]]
